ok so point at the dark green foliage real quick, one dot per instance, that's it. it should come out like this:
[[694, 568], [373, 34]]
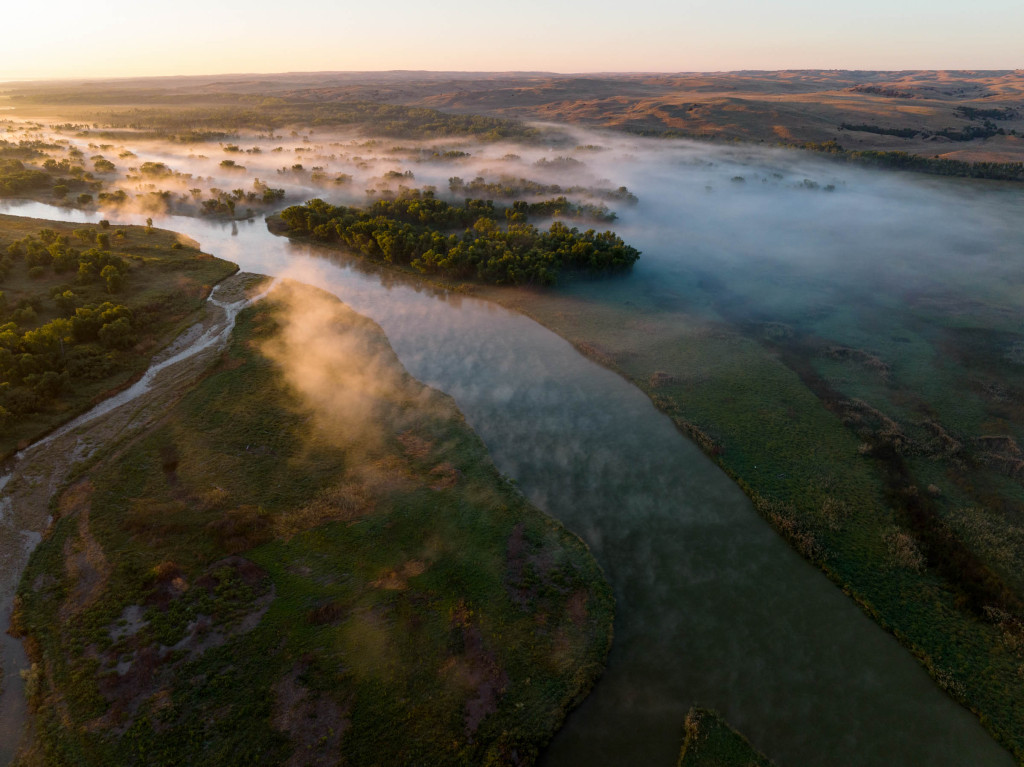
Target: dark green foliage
[[901, 132], [16, 179], [1000, 171], [973, 113], [64, 339], [510, 187], [968, 133], [421, 231]]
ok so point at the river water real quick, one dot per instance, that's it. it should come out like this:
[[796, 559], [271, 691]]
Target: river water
[[713, 608]]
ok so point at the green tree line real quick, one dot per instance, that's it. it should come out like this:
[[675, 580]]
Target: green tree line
[[467, 241]]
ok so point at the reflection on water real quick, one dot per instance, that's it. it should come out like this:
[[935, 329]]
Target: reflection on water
[[712, 607]]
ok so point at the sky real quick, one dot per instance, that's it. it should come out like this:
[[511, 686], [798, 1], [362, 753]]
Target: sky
[[122, 38]]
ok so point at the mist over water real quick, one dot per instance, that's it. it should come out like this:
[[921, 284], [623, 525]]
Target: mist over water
[[713, 608]]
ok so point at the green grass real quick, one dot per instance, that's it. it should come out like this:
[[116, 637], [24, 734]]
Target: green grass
[[711, 742], [417, 609], [165, 288]]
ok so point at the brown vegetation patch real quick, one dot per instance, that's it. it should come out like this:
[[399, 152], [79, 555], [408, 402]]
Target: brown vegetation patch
[[576, 606], [860, 357], [242, 528], [365, 487], [325, 614], [783, 519], [84, 561], [447, 474], [942, 444], [515, 564], [475, 669], [903, 551], [313, 721], [398, 580], [871, 422], [1002, 453], [660, 378], [596, 353], [415, 446]]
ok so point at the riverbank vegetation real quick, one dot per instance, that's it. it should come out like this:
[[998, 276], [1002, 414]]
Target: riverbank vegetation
[[419, 230], [937, 166], [711, 742], [309, 560], [511, 187], [82, 310]]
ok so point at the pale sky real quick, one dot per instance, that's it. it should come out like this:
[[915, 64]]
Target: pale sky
[[121, 38]]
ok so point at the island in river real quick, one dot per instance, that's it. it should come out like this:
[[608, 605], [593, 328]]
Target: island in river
[[305, 552]]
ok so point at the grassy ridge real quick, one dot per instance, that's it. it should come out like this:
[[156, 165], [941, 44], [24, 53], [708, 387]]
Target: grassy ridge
[[245, 585]]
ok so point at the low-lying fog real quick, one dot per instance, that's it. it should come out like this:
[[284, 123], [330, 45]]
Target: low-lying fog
[[713, 607], [786, 232]]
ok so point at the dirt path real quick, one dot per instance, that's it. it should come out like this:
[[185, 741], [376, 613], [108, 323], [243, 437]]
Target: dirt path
[[29, 480]]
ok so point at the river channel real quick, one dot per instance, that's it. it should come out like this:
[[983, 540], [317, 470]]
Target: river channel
[[713, 608]]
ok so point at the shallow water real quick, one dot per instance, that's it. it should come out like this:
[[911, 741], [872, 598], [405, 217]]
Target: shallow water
[[713, 608]]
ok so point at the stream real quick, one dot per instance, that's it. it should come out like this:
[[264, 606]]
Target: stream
[[713, 607]]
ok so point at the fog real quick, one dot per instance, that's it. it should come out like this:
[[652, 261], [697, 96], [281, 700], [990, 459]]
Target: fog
[[754, 217], [330, 364], [713, 607]]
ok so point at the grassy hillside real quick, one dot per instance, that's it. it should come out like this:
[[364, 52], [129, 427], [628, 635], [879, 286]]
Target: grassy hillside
[[970, 116], [310, 560]]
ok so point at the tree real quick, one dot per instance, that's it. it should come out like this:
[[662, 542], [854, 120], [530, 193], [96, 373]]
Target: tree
[[114, 278], [117, 334]]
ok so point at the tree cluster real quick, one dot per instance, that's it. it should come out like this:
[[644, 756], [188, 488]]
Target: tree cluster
[[16, 179], [394, 120], [467, 241], [510, 187], [1001, 171], [40, 363]]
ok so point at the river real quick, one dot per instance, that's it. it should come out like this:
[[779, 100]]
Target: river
[[713, 608]]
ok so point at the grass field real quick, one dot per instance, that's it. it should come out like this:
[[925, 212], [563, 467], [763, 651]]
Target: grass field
[[310, 559]]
